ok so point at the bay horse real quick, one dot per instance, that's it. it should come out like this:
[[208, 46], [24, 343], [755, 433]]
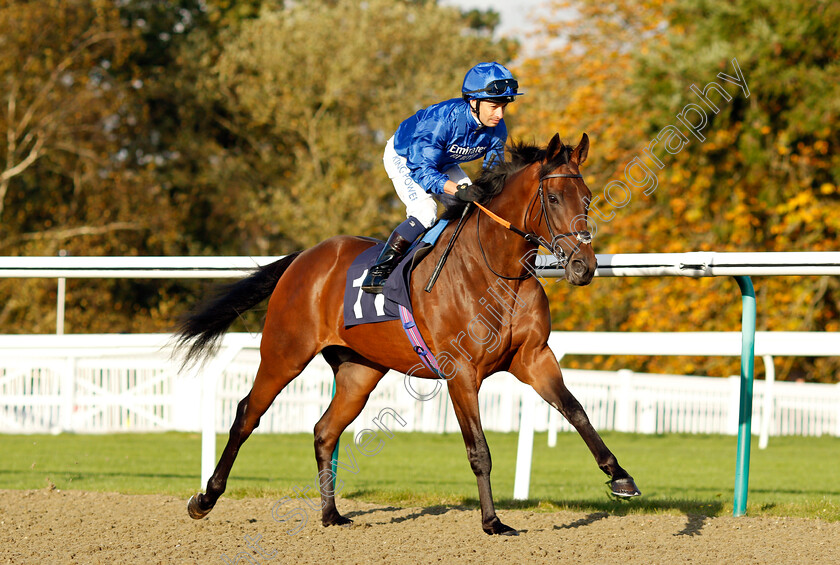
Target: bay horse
[[538, 191]]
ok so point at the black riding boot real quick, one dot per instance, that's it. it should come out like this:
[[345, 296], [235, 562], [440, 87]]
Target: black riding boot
[[394, 249]]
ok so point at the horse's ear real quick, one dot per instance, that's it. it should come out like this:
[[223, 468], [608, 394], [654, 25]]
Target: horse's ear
[[553, 146], [581, 151]]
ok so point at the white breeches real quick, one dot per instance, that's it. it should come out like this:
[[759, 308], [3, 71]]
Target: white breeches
[[418, 202]]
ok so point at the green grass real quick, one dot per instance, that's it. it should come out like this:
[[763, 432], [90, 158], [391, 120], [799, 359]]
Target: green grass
[[680, 474]]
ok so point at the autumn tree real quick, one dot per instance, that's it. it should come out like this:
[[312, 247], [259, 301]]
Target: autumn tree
[[61, 106], [142, 128], [315, 89], [59, 103], [757, 171], [84, 139]]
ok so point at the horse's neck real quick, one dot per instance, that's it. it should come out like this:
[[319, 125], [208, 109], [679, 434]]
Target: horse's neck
[[504, 252]]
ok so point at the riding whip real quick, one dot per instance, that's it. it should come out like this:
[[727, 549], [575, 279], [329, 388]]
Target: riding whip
[[442, 260]]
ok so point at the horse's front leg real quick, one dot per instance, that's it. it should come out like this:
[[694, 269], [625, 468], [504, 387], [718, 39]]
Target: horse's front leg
[[540, 369], [465, 402]]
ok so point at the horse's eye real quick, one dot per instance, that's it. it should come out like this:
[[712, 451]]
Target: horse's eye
[[553, 198]]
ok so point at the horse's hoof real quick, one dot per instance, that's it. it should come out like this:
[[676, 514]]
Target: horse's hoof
[[195, 510], [624, 488], [498, 529], [336, 520]]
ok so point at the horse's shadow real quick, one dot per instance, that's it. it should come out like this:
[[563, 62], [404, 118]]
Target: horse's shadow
[[430, 511], [696, 512], [693, 526], [590, 519]]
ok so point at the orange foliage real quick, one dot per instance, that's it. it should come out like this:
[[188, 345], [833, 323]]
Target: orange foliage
[[764, 179]]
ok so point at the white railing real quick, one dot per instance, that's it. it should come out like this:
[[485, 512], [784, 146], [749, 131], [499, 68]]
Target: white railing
[[117, 383], [130, 267], [696, 264]]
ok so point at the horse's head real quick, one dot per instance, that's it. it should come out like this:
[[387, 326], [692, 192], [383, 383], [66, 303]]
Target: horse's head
[[544, 189], [558, 209]]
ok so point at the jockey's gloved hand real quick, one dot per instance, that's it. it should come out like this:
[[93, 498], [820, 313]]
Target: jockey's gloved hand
[[467, 193]]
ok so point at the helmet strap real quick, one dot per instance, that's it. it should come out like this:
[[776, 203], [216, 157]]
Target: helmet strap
[[477, 111]]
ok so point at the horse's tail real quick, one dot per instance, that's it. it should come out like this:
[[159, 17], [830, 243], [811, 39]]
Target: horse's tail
[[199, 332]]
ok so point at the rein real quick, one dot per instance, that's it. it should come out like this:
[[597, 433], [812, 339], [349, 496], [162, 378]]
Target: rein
[[582, 236]]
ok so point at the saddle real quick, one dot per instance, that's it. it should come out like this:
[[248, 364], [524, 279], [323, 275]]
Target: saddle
[[364, 308]]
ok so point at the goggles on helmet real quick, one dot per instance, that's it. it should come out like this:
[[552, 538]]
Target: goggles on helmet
[[498, 87]]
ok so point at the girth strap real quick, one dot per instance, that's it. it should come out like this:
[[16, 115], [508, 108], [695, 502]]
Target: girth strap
[[418, 343]]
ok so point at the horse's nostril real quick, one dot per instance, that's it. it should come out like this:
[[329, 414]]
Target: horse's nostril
[[578, 267]]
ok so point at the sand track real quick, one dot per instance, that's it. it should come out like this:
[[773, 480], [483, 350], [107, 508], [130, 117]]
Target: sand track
[[47, 527]]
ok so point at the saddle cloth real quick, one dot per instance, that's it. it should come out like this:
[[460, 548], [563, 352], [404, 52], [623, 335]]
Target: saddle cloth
[[364, 308]]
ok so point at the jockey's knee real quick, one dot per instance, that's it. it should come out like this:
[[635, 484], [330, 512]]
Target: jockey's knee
[[425, 211]]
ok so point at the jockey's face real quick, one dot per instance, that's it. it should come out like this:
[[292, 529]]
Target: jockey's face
[[490, 113]]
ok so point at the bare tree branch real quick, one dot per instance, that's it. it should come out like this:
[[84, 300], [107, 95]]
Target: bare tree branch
[[69, 233], [27, 138], [15, 170], [31, 157], [51, 81], [12, 106], [80, 151]]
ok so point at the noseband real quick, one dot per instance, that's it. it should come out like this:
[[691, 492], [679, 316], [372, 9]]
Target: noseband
[[583, 236]]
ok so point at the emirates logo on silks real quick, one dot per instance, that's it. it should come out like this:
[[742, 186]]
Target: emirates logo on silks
[[465, 153]]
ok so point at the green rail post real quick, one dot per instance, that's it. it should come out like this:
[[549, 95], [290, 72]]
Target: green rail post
[[742, 463], [335, 452]]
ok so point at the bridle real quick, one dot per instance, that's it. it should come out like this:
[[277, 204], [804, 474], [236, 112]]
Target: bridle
[[583, 236]]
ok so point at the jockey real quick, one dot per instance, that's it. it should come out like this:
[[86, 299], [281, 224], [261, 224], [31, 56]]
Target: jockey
[[422, 158]]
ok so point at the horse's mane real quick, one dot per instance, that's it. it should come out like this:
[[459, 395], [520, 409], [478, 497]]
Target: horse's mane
[[493, 179]]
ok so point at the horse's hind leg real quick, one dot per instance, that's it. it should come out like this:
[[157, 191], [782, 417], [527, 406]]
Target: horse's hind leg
[[355, 379], [270, 380]]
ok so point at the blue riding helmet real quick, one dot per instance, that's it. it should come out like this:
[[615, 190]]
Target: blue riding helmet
[[490, 80]]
